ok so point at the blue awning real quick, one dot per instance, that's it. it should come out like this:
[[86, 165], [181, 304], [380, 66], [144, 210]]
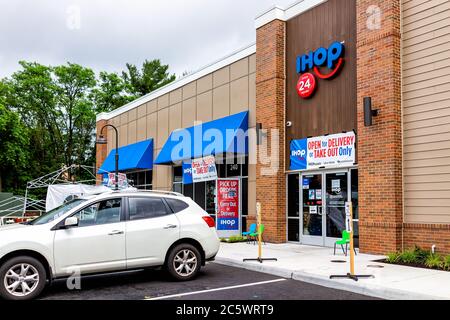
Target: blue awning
[[226, 135], [138, 156]]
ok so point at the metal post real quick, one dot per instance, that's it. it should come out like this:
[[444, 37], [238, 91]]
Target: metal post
[[351, 275], [25, 202], [116, 174], [352, 250], [117, 170], [260, 259]]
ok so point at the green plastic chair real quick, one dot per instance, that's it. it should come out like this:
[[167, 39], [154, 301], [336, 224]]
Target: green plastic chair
[[255, 235], [344, 241]]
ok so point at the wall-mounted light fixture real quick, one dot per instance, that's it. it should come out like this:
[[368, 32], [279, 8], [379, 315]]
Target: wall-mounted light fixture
[[369, 113]]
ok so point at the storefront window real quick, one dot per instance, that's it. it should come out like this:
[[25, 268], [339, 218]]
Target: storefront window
[[210, 197], [204, 193], [244, 168], [141, 180], [233, 170], [178, 187], [188, 190], [354, 185], [199, 194], [177, 174], [294, 196], [221, 170]]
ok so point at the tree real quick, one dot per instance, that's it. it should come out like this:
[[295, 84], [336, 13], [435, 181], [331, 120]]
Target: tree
[[75, 111], [153, 76], [13, 147], [110, 92], [48, 115], [31, 95]]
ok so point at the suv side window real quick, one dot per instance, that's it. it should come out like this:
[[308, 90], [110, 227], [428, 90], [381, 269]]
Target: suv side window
[[146, 208], [103, 212], [176, 205]]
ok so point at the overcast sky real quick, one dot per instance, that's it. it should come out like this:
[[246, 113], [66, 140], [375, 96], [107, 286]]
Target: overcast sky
[[106, 34]]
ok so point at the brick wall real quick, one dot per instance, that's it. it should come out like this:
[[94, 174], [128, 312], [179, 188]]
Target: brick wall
[[101, 149], [270, 104], [380, 146], [427, 235]]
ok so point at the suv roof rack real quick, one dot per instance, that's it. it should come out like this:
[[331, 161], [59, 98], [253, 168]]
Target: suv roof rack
[[170, 193]]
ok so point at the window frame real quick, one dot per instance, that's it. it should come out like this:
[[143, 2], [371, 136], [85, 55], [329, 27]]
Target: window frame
[[222, 162], [60, 225], [146, 185], [127, 211], [166, 200]]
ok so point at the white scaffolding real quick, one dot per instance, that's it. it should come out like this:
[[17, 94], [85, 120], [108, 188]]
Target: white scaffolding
[[60, 176]]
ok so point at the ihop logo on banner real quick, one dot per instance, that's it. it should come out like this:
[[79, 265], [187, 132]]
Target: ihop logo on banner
[[187, 173], [331, 58], [228, 224], [299, 154]]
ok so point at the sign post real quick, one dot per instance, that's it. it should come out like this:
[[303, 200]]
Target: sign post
[[349, 227], [260, 259]]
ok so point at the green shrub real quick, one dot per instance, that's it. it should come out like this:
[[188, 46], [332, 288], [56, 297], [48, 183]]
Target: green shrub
[[393, 257], [234, 239], [421, 255], [408, 256], [447, 263], [434, 261]]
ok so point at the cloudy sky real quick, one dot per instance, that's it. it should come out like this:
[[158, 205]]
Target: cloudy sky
[[106, 34]]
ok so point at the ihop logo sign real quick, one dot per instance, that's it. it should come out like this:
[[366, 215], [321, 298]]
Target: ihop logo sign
[[331, 58], [301, 154]]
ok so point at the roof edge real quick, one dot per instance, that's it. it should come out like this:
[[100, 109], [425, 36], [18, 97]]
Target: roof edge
[[210, 68], [284, 14]]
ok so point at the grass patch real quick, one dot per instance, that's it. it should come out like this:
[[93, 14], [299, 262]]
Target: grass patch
[[234, 239]]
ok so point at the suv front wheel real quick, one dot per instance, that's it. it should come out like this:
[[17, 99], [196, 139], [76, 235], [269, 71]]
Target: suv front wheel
[[22, 278], [184, 262]]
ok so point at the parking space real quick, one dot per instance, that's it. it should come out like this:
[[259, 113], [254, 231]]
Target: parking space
[[215, 282]]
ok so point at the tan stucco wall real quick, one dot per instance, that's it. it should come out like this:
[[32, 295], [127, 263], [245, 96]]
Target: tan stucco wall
[[227, 91], [426, 110]]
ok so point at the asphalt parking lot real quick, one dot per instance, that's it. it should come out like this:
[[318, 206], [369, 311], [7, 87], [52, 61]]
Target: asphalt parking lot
[[215, 282]]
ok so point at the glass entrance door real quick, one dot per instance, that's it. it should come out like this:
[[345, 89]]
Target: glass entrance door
[[312, 209], [322, 205], [336, 195]]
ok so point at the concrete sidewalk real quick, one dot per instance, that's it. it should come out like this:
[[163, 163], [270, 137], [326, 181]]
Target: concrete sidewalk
[[315, 265]]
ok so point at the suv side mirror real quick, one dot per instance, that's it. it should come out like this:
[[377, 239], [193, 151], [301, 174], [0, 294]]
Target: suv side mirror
[[71, 222]]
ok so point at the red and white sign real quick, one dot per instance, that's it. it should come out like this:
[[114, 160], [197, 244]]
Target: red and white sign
[[306, 85], [228, 206], [204, 169], [337, 150], [123, 181]]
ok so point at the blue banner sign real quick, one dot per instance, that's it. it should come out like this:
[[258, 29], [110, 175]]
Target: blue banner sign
[[187, 173], [336, 150]]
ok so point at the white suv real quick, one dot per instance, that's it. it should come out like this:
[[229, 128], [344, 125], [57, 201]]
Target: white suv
[[106, 233]]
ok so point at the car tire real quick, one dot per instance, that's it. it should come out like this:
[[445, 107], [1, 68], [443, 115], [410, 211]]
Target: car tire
[[27, 274], [184, 262]]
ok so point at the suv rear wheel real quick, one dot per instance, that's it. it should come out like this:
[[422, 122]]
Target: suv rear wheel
[[184, 262], [22, 278]]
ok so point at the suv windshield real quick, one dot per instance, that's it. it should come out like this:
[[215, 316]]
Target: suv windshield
[[57, 212]]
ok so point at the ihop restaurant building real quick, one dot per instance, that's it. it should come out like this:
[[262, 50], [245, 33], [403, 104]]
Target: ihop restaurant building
[[337, 101]]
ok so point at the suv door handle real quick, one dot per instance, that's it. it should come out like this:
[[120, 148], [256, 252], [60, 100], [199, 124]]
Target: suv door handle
[[115, 233], [170, 226]]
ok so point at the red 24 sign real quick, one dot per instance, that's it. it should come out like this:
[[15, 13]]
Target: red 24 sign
[[306, 85]]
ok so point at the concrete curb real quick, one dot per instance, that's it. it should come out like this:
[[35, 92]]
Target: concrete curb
[[364, 288]]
